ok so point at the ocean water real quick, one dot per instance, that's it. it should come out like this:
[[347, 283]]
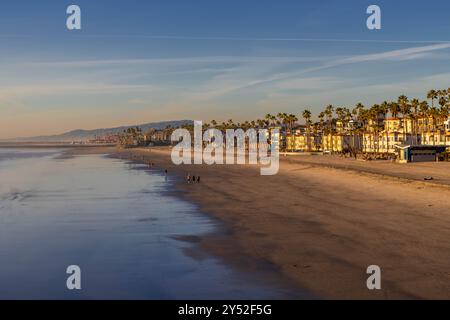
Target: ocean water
[[115, 221]]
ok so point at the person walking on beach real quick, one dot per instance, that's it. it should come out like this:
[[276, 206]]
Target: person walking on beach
[[198, 179], [188, 178]]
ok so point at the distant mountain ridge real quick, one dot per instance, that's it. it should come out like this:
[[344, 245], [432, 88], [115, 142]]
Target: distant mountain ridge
[[83, 135]]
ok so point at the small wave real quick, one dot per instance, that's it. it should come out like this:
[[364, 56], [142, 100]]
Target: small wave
[[16, 195]]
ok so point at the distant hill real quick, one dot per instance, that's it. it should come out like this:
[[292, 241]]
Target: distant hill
[[83, 135]]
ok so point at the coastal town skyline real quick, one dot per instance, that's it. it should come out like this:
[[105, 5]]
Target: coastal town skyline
[[131, 66]]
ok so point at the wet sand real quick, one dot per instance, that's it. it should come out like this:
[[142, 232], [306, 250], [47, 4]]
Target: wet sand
[[118, 221], [322, 221]]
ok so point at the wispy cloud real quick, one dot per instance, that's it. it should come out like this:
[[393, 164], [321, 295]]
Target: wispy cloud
[[62, 89], [241, 73], [393, 55], [200, 60], [263, 39], [402, 54]]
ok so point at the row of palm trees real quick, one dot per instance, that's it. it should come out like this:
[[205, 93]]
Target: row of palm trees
[[403, 107], [353, 121], [131, 137], [359, 119], [287, 121]]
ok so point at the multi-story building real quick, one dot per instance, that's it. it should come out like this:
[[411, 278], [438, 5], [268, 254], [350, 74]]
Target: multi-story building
[[408, 139], [406, 132], [302, 140]]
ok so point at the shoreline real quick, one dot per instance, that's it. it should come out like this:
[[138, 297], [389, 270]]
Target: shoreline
[[321, 227], [259, 271], [219, 243]]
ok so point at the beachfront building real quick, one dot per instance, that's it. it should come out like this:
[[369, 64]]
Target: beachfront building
[[385, 137], [381, 137], [296, 142], [343, 140], [425, 139], [402, 132], [303, 140], [336, 143], [421, 153], [433, 131]]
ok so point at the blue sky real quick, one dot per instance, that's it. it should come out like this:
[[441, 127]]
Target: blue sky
[[140, 61]]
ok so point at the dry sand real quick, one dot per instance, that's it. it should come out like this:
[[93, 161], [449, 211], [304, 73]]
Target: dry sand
[[322, 221]]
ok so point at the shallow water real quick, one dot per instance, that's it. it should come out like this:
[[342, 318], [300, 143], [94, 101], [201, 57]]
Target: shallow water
[[114, 220]]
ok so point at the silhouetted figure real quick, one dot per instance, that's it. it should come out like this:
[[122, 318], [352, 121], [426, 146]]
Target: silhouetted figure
[[198, 179]]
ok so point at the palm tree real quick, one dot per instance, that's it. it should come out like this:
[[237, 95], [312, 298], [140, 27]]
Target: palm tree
[[261, 123], [384, 110], [423, 108], [415, 106], [405, 109], [307, 116], [270, 119], [434, 114], [445, 111], [321, 125], [282, 120], [358, 128], [395, 109], [442, 93], [321, 116], [364, 118], [442, 101], [374, 115], [288, 122], [403, 103], [345, 116], [329, 110], [432, 94], [246, 125], [340, 113], [424, 114]]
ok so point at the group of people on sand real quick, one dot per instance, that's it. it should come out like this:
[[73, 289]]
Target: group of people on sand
[[192, 179]]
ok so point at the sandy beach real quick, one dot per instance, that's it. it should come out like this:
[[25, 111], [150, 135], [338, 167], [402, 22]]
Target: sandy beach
[[322, 221]]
